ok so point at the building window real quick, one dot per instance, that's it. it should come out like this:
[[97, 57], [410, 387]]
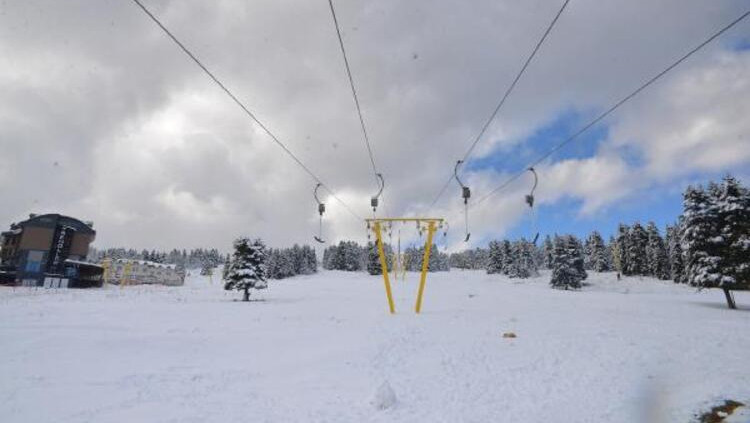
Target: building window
[[34, 261]]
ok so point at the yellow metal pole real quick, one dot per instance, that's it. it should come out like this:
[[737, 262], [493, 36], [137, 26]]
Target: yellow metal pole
[[125, 273], [383, 265], [425, 264], [106, 264]]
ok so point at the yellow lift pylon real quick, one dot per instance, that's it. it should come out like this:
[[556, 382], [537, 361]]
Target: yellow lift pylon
[[432, 226], [126, 274], [106, 265]]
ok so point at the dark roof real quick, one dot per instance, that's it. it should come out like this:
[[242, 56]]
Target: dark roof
[[51, 220]]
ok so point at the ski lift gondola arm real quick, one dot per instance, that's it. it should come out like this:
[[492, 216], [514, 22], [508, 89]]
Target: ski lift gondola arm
[[465, 194], [530, 197], [465, 191], [321, 210], [374, 200], [530, 202]]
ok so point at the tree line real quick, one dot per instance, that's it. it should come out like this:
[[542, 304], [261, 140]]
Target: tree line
[[192, 259], [352, 257], [708, 247]]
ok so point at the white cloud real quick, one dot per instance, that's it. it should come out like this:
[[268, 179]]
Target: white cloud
[[102, 117], [695, 122]]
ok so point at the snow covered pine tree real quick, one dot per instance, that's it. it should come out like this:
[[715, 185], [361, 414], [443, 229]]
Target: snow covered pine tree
[[597, 257], [549, 250], [207, 268], [620, 248], [657, 262], [635, 253], [507, 249], [674, 254], [716, 237], [247, 268], [373, 259], [524, 264], [733, 207], [495, 258], [567, 263]]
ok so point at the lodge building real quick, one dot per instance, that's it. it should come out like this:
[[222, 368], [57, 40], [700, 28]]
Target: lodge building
[[137, 272], [48, 250]]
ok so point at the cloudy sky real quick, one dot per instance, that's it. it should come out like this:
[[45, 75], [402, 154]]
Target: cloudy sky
[[103, 118]]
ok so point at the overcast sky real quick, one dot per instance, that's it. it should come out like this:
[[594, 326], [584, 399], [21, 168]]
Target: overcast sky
[[103, 118]]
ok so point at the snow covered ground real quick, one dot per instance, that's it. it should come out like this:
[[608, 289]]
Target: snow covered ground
[[323, 348]]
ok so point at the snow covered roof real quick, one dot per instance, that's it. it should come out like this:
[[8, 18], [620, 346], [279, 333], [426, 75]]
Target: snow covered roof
[[146, 263], [82, 263]]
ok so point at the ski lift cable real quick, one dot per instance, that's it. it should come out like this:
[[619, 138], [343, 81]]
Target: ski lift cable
[[378, 176], [503, 99], [243, 107], [614, 107]]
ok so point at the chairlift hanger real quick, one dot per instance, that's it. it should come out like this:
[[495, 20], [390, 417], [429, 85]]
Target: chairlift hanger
[[321, 210], [374, 200], [445, 227], [530, 202], [465, 194]]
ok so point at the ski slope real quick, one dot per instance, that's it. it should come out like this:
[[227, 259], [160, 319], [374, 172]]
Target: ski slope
[[323, 348]]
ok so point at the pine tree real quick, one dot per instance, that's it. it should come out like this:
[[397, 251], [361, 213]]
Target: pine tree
[[587, 253], [579, 253], [479, 258], [548, 252], [311, 260], [414, 257], [635, 252], [716, 237], [207, 269], [595, 253], [460, 260], [272, 264], [657, 264], [434, 260], [512, 264], [507, 257], [700, 227], [225, 270], [495, 258], [347, 255], [444, 263], [328, 253], [620, 248], [373, 259], [248, 267], [674, 254], [732, 203], [352, 257], [611, 246], [286, 263], [567, 264], [525, 264]]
